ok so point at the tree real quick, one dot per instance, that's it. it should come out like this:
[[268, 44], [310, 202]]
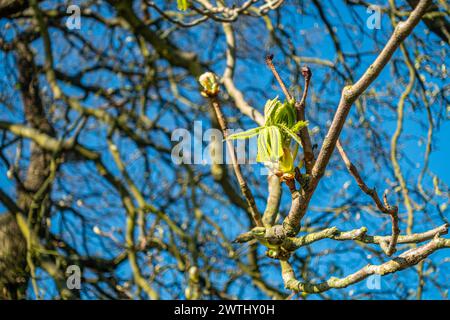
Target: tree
[[95, 120]]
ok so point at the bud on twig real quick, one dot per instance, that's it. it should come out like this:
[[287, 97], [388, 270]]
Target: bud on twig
[[306, 73], [210, 83]]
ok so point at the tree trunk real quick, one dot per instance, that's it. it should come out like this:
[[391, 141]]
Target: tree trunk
[[14, 274]]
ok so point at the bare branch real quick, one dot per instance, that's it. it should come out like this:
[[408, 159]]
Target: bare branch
[[351, 93], [390, 210], [360, 235], [212, 95], [304, 133], [405, 260], [272, 68]]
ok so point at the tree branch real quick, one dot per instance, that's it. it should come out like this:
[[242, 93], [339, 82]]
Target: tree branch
[[392, 211], [351, 93], [405, 260], [360, 234], [211, 93]]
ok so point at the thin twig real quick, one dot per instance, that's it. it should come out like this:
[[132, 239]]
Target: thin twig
[[211, 91], [269, 63], [237, 169], [386, 208], [304, 133]]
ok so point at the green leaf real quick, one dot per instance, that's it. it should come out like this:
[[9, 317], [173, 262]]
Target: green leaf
[[299, 125], [269, 108], [269, 145], [287, 162], [245, 135], [182, 5], [263, 153], [285, 114], [275, 136], [275, 142], [292, 134], [294, 155]]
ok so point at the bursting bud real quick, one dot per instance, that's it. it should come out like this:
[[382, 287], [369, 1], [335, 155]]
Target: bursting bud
[[194, 274], [188, 293], [210, 83]]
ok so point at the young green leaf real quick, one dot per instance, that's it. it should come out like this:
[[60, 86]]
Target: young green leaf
[[245, 135], [298, 126], [292, 134], [269, 144], [182, 5], [269, 108]]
